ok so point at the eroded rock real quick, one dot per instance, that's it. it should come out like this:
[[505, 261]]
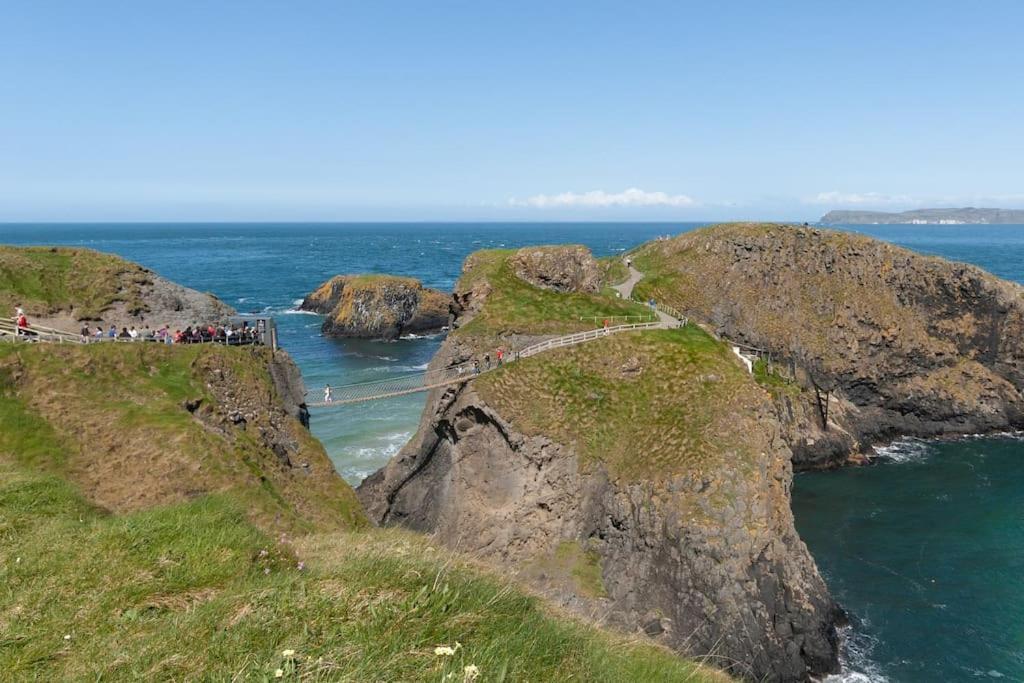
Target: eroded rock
[[378, 307]]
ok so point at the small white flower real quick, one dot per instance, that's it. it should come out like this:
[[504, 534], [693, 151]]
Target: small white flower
[[67, 636], [288, 654], [17, 561], [279, 673], [444, 650], [471, 673]]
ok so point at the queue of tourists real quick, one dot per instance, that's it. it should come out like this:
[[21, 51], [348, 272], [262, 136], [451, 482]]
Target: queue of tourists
[[230, 334], [222, 333]]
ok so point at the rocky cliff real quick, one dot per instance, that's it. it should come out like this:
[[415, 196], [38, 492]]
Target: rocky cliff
[[641, 479], [871, 341], [144, 425], [63, 286], [378, 307]]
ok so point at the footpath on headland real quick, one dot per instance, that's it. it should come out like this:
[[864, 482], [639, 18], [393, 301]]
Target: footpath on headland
[[346, 394]]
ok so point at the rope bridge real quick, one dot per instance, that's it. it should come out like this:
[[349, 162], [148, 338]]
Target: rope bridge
[[463, 372]]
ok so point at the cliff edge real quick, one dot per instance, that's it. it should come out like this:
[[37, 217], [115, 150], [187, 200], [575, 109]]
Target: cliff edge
[[640, 479], [64, 286], [865, 341]]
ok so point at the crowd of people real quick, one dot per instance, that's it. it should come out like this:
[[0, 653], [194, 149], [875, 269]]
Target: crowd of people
[[224, 333], [233, 335]]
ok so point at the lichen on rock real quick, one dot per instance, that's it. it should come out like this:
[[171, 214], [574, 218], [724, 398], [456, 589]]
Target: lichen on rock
[[378, 307]]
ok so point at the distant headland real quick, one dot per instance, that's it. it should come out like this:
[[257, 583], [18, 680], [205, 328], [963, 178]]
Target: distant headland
[[927, 216]]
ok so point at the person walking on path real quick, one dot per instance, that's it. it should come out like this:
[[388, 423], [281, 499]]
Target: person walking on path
[[476, 367], [500, 353], [487, 361], [328, 398]]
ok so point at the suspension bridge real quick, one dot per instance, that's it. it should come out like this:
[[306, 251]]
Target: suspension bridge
[[467, 371], [661, 317]]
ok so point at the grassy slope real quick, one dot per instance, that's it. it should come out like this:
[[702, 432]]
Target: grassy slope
[[112, 418], [193, 591], [514, 306], [806, 296], [683, 410], [47, 280], [200, 588]]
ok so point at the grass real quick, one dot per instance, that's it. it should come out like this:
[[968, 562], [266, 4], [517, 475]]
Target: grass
[[516, 307], [771, 379], [644, 405], [112, 418], [48, 280], [195, 591]]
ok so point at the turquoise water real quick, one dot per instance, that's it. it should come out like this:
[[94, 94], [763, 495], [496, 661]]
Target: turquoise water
[[924, 549]]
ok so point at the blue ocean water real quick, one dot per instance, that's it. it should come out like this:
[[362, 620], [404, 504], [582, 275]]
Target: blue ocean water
[[924, 549]]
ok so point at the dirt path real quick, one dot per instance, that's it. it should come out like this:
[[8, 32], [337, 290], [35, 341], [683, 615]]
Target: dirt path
[[626, 290]]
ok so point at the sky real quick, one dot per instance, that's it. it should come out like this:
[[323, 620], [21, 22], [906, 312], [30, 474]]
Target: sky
[[302, 110]]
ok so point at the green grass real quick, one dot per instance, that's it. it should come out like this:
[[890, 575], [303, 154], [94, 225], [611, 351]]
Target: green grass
[[194, 591], [48, 280], [113, 419], [645, 405], [514, 306], [774, 381]]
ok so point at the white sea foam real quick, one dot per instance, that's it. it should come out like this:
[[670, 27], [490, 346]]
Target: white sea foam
[[904, 450], [424, 336], [855, 659], [357, 463]]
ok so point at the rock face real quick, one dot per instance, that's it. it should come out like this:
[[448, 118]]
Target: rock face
[[655, 497], [892, 343], [168, 303], [378, 307], [560, 268], [63, 287]]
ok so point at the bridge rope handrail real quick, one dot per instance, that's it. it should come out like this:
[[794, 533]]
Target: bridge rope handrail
[[462, 372]]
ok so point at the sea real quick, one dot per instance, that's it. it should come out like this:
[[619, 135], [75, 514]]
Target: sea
[[924, 548]]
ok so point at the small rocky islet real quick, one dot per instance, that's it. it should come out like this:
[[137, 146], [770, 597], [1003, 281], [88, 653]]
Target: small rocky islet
[[377, 307], [641, 480]]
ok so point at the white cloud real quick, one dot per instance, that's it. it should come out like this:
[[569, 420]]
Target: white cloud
[[600, 198], [858, 199]]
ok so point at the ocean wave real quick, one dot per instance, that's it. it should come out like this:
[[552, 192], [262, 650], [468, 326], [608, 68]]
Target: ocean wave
[[358, 462], [412, 335], [904, 450], [856, 665]]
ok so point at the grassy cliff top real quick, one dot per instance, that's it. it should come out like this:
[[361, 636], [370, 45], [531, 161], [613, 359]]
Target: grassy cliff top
[[513, 306], [808, 291], [646, 405], [48, 280], [146, 533], [139, 425], [193, 591]]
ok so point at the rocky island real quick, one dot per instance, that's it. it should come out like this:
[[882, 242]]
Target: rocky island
[[869, 341], [378, 307], [641, 479], [201, 532]]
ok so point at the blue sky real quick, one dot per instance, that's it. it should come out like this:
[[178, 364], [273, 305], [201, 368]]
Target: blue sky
[[506, 111]]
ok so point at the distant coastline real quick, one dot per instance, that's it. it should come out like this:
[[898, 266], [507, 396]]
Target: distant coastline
[[927, 217]]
